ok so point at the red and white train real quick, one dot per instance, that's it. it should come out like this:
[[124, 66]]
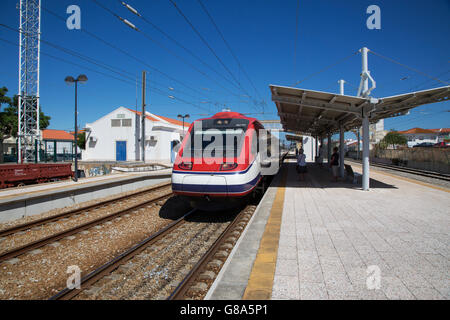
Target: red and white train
[[223, 159]]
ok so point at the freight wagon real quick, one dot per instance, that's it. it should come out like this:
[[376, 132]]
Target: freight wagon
[[12, 175]]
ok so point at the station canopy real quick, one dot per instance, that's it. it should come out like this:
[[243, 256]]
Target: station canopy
[[318, 113]]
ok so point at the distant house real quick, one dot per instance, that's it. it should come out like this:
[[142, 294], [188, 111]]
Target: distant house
[[10, 145], [62, 140], [117, 137], [420, 135], [443, 134], [353, 145]]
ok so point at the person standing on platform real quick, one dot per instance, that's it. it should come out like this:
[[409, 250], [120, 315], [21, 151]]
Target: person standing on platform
[[301, 164], [334, 164]]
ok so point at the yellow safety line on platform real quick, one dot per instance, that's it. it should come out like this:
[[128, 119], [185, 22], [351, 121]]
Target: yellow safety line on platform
[[408, 179], [260, 284]]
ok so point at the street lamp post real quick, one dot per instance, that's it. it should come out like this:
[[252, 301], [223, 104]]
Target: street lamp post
[[69, 80], [181, 116]]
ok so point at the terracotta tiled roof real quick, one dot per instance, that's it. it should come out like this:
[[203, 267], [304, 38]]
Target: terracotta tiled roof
[[442, 130], [174, 121], [170, 120], [417, 130], [50, 134], [139, 113]]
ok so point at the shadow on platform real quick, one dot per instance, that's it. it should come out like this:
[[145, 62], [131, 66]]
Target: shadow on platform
[[321, 177]]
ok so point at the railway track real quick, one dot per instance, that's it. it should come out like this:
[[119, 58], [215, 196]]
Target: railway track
[[81, 227], [197, 282], [167, 263], [106, 269], [423, 173], [73, 212]]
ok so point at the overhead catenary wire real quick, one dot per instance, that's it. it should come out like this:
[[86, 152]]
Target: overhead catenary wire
[[145, 19], [408, 67], [326, 68], [126, 79], [91, 60], [207, 44], [119, 49], [229, 47], [101, 39], [406, 122], [159, 44], [422, 83]]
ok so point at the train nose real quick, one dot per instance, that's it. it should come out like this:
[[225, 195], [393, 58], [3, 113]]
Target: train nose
[[208, 184]]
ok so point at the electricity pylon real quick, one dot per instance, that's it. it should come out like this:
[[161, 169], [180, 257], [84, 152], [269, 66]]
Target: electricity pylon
[[29, 52]]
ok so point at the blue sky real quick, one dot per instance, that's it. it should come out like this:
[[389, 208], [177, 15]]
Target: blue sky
[[262, 34]]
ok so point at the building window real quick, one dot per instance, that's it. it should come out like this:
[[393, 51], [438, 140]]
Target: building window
[[421, 138], [115, 122], [126, 122]]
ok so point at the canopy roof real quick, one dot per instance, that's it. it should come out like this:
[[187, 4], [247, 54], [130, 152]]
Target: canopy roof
[[314, 113]]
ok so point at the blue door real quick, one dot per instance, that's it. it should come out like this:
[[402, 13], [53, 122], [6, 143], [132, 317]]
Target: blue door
[[121, 150]]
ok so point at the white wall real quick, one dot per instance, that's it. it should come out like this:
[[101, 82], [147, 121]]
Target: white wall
[[415, 138], [104, 149]]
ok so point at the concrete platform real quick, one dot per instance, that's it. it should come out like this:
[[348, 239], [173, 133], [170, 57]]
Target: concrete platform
[[34, 199], [336, 241]]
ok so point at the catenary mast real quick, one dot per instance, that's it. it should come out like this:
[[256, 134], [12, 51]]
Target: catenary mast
[[28, 102]]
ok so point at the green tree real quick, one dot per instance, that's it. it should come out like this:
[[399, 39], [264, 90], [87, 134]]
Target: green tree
[[394, 138], [81, 141], [9, 118]]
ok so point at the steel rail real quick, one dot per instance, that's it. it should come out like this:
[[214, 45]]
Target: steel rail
[[72, 212], [107, 268], [42, 242], [419, 172], [180, 291]]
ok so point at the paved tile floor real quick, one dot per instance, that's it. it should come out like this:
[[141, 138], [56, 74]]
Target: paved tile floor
[[339, 242]]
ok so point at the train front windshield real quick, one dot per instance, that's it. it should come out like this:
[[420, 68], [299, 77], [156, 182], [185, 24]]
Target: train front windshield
[[216, 138]]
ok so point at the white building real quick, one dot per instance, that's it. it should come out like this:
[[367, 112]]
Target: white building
[[419, 135], [117, 137]]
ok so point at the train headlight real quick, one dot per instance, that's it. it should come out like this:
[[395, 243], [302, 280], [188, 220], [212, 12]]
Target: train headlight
[[228, 166], [185, 165]]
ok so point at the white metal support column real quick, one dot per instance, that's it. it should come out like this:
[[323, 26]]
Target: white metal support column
[[341, 86], [329, 148], [316, 153], [341, 151], [365, 153], [364, 92], [359, 145]]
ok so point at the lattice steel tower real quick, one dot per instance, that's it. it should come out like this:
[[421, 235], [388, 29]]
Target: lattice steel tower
[[29, 52]]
